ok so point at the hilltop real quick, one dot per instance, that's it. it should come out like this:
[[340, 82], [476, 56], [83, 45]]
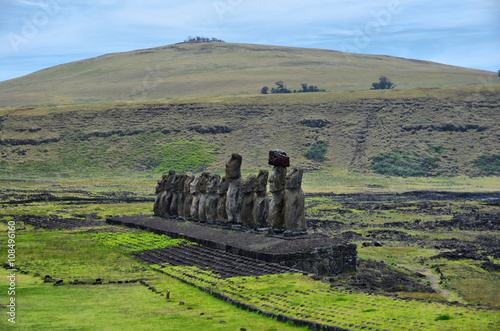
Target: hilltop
[[218, 68]]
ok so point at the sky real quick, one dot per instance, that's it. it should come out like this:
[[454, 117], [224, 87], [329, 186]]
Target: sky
[[37, 34]]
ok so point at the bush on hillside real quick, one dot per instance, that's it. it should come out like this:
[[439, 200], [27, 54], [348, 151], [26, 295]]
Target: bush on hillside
[[383, 84], [489, 165], [280, 88], [199, 39], [317, 151], [311, 88], [400, 163]]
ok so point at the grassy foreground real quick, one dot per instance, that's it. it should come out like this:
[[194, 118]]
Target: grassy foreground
[[131, 306], [81, 254]]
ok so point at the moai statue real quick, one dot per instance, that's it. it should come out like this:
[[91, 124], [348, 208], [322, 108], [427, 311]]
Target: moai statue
[[160, 195], [167, 200], [261, 201], [203, 196], [175, 195], [280, 161], [188, 197], [212, 198], [234, 192], [221, 203], [295, 218], [195, 192], [248, 200], [180, 196]]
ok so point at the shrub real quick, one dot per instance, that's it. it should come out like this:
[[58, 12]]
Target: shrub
[[280, 88], [383, 84], [443, 318], [317, 151], [400, 163], [488, 164], [311, 88]]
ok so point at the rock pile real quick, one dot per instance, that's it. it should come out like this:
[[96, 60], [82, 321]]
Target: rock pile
[[232, 199]]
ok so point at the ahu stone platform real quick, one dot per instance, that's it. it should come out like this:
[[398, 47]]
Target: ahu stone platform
[[310, 253]]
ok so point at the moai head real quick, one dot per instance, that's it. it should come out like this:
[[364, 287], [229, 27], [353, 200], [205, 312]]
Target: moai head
[[187, 184], [249, 184], [212, 183], [194, 187], [179, 184], [203, 181], [277, 179], [223, 186], [169, 180], [233, 166], [294, 178], [261, 182]]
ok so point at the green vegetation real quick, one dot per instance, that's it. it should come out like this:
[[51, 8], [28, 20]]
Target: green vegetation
[[118, 138], [199, 39], [182, 156], [401, 163], [123, 305], [383, 84], [86, 254], [317, 151], [281, 88], [443, 318], [138, 241], [488, 164]]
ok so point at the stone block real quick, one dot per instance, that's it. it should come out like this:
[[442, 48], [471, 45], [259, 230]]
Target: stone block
[[278, 158]]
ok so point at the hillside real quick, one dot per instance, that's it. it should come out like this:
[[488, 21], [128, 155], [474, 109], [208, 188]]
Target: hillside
[[215, 68], [456, 125]]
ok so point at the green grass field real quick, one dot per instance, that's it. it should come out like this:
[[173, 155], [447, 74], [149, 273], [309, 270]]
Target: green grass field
[[82, 254]]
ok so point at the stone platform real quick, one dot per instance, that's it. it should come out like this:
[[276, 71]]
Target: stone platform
[[313, 254]]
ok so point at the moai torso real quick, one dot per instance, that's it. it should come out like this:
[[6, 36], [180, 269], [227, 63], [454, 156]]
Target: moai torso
[[261, 201], [248, 200], [175, 195], [211, 203], [234, 192], [195, 192], [160, 195], [179, 191], [295, 219], [167, 200], [277, 202], [188, 197], [203, 196], [222, 198]]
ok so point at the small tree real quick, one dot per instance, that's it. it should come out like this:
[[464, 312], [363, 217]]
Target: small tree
[[383, 84], [281, 88], [264, 90]]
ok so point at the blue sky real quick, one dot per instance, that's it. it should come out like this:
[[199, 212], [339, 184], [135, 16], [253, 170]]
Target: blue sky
[[36, 34]]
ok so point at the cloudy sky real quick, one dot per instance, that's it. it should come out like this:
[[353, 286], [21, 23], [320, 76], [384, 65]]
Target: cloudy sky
[[36, 34]]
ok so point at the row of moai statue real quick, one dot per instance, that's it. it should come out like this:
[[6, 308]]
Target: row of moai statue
[[208, 197]]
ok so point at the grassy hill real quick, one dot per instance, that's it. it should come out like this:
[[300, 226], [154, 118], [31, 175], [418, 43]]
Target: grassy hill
[[216, 68], [454, 127]]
